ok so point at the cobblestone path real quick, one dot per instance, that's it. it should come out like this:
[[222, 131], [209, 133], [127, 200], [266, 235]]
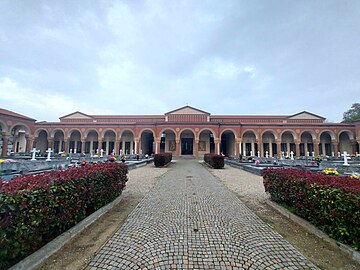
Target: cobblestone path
[[190, 220]]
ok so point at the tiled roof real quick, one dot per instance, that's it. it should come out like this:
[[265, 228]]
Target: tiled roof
[[14, 114]]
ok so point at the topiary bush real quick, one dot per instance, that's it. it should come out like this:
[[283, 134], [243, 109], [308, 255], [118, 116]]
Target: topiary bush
[[34, 209], [329, 202], [162, 159], [214, 160]]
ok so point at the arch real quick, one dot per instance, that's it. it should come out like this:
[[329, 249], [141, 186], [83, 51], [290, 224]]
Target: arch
[[268, 147], [348, 132], [147, 129], [288, 138], [311, 132], [54, 131], [3, 127], [228, 142], [167, 140], [187, 141], [18, 137], [86, 133], [127, 130], [36, 133], [75, 143], [345, 139], [250, 131], [27, 129], [227, 130], [330, 132], [108, 129], [42, 141], [71, 131], [325, 145], [109, 141], [206, 138], [307, 139], [292, 132]]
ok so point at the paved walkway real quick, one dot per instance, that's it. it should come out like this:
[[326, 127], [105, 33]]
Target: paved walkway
[[190, 220]]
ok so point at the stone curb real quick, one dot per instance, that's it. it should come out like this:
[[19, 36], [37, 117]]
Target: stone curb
[[39, 256], [355, 255]]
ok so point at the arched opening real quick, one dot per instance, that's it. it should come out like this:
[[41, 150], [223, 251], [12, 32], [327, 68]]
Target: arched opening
[[206, 142], [92, 143], [306, 144], [249, 143], [75, 142], [288, 143], [345, 142], [325, 146], [227, 146], [187, 142], [168, 141], [2, 132], [147, 143], [269, 144], [18, 139], [59, 145], [42, 142], [109, 142]]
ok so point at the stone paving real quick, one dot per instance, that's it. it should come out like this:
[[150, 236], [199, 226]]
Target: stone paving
[[190, 220]]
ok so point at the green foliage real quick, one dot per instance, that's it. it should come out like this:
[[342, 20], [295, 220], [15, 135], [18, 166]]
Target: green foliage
[[353, 114], [36, 209], [331, 203]]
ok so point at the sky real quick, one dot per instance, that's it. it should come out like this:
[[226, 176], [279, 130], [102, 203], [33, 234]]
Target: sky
[[150, 57]]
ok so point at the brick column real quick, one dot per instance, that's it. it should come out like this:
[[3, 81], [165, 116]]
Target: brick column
[[335, 144], [177, 147], [117, 147], [316, 147], [237, 147], [66, 150], [157, 145], [83, 142], [196, 148], [260, 147], [50, 143], [137, 150], [217, 146], [297, 148], [5, 145], [278, 147], [100, 146]]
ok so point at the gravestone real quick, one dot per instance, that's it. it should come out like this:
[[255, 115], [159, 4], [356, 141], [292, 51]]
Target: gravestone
[[49, 151], [345, 155], [292, 155], [33, 154]]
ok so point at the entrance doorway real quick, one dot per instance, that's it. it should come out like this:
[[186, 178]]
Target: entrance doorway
[[187, 146]]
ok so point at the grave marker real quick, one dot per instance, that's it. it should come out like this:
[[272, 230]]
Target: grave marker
[[49, 151], [33, 154]]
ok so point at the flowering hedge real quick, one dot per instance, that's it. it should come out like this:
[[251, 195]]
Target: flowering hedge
[[214, 160], [329, 202], [36, 209], [162, 159]]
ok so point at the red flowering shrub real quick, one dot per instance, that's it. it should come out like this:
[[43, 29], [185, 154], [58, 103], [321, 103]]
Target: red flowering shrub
[[38, 208], [331, 203], [162, 159], [214, 160]]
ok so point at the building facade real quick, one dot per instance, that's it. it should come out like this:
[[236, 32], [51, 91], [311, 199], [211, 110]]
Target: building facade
[[184, 131]]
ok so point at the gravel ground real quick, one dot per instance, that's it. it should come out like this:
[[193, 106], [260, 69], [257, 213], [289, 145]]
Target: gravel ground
[[249, 189]]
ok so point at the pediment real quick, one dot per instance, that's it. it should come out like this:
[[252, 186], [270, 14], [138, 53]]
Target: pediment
[[306, 116], [187, 110], [76, 115]]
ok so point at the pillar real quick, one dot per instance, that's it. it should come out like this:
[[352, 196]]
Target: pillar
[[278, 147], [297, 148], [177, 147], [316, 147], [260, 147], [157, 145], [66, 150], [196, 148], [136, 146], [117, 147], [335, 144], [253, 147], [323, 148], [99, 146], [107, 152], [5, 145], [217, 146]]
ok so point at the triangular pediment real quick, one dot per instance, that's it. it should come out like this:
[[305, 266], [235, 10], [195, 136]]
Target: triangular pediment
[[306, 116], [187, 110], [76, 115]]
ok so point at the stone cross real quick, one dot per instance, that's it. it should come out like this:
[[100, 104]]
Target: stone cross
[[267, 154], [332, 154], [120, 152], [75, 150], [307, 154], [258, 153], [101, 153], [313, 154], [339, 154], [49, 151], [292, 155], [70, 151], [33, 154], [345, 155], [251, 153]]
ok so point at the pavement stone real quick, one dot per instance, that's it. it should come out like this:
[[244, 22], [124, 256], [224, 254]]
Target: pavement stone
[[190, 220]]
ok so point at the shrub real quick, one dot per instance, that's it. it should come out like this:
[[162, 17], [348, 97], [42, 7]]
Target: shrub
[[331, 203], [214, 160], [162, 159], [34, 209]]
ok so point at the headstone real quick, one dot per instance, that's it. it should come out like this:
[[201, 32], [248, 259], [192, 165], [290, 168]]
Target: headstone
[[140, 151], [282, 155], [251, 153], [49, 151], [101, 153], [307, 154], [70, 151], [332, 154], [33, 154], [132, 151], [120, 152], [287, 154], [345, 155], [313, 154], [258, 153], [267, 154], [75, 150], [339, 154], [97, 151], [292, 155]]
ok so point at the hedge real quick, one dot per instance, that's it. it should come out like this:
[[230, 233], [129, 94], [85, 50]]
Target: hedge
[[214, 160], [329, 202], [36, 209], [162, 159]]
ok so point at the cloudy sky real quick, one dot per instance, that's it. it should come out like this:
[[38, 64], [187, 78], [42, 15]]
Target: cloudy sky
[[150, 57]]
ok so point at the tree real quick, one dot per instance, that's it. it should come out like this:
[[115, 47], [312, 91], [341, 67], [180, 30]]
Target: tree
[[352, 114]]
